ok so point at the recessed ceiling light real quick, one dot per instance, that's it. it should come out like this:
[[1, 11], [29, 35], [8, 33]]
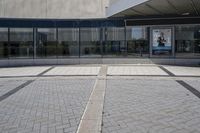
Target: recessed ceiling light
[[186, 13]]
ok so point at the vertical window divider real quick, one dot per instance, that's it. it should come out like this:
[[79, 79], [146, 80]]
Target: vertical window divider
[[125, 37], [35, 43], [57, 42], [9, 43], [101, 41], [79, 41]]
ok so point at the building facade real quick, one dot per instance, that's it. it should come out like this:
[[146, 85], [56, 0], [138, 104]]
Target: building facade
[[34, 32]]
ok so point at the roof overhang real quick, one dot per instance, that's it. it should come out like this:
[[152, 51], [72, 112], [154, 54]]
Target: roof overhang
[[121, 5], [146, 8]]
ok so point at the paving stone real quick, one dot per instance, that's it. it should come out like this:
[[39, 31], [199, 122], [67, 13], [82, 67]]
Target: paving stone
[[74, 71], [184, 71], [8, 85], [52, 105], [194, 83], [149, 106], [135, 70], [22, 71]]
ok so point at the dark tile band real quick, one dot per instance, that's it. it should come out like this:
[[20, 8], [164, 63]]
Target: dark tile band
[[167, 71], [189, 87], [15, 90], [42, 73]]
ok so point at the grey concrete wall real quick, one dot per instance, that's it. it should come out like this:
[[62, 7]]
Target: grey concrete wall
[[61, 9], [112, 2]]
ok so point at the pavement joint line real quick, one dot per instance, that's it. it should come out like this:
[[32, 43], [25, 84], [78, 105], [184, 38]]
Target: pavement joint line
[[45, 71], [94, 106], [13, 91], [47, 76], [167, 71], [189, 87], [167, 76], [183, 76], [149, 78]]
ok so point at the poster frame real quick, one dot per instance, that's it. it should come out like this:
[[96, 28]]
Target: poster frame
[[172, 39]]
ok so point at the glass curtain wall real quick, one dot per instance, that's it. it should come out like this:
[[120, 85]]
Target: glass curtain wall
[[21, 43], [46, 43], [137, 41], [187, 41], [90, 42], [114, 42], [3, 43], [68, 42]]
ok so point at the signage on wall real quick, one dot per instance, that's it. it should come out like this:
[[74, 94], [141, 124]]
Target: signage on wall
[[162, 39]]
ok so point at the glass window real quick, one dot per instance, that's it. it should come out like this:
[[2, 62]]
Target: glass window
[[114, 44], [3, 43], [137, 41], [68, 42], [21, 43], [46, 42], [90, 42], [187, 41]]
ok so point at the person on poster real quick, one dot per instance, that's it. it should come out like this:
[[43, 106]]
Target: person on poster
[[161, 40]]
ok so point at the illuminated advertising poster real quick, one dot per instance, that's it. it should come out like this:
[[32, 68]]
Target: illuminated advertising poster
[[162, 39]]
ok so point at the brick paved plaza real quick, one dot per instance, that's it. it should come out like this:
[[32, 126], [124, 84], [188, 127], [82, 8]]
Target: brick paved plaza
[[100, 99]]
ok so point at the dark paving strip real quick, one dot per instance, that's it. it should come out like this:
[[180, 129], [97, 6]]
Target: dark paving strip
[[189, 87], [42, 73], [3, 97], [167, 71]]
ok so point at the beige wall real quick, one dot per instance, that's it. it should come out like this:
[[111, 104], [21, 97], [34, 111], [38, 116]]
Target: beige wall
[[65, 9]]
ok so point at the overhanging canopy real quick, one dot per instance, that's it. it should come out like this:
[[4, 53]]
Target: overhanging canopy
[[133, 8]]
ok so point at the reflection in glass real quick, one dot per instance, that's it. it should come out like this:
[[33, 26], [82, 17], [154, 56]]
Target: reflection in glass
[[114, 44], [3, 43], [137, 41], [187, 41], [90, 42], [21, 43], [46, 42], [68, 42]]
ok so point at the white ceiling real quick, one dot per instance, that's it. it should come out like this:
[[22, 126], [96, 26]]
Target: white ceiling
[[161, 8]]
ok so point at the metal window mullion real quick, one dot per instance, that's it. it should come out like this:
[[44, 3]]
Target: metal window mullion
[[9, 43], [101, 41], [35, 42], [79, 47], [56, 42], [125, 38]]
